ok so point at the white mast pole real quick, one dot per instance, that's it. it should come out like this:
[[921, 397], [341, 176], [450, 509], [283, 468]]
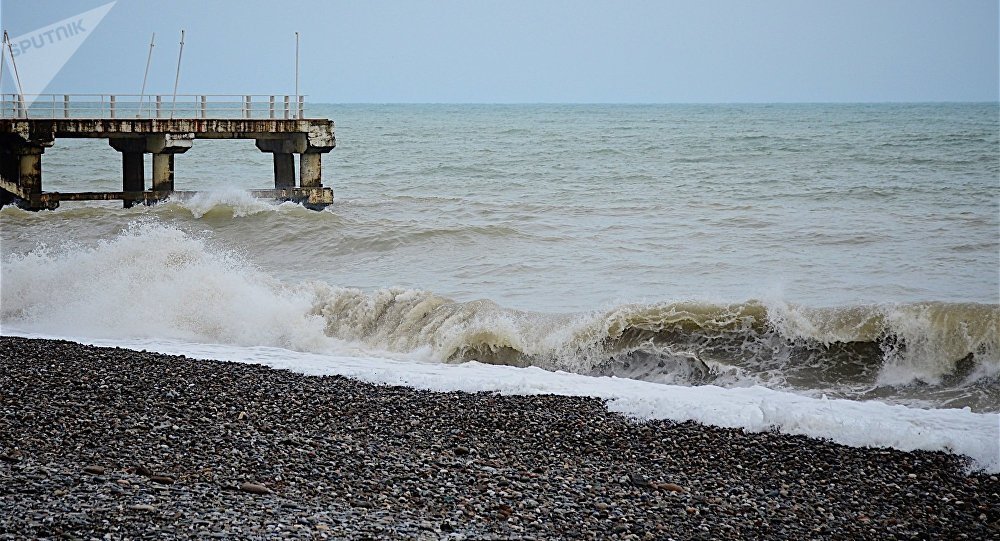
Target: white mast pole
[[17, 77], [3, 56], [299, 115], [177, 77], [142, 93]]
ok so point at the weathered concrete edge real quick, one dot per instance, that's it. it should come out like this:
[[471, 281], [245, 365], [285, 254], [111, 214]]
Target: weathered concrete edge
[[315, 133]]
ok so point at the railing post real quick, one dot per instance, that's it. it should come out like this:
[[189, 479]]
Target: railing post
[[286, 106], [159, 105], [248, 105], [204, 107], [302, 107], [270, 107], [66, 106], [112, 107]]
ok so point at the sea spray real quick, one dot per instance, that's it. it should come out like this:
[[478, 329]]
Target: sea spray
[[156, 281]]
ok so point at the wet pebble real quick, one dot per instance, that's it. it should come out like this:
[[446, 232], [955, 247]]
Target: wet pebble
[[338, 458]]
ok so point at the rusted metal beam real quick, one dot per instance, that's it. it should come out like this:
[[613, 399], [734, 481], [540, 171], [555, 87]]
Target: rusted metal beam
[[315, 196]]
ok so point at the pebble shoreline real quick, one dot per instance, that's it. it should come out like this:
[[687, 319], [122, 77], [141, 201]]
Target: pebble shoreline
[[102, 443]]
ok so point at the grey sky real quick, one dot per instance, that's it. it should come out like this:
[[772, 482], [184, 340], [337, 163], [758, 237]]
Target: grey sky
[[539, 50]]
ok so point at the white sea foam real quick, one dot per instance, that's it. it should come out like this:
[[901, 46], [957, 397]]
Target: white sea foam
[[853, 423], [233, 202], [154, 281]]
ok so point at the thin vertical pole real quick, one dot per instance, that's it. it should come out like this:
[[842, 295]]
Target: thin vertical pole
[[3, 55], [297, 66], [177, 77], [3, 97], [142, 93], [17, 77]]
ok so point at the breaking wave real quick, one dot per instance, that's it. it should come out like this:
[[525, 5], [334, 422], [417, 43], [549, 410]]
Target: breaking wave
[[154, 281], [944, 352]]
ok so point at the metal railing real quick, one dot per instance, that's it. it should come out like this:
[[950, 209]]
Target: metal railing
[[126, 106]]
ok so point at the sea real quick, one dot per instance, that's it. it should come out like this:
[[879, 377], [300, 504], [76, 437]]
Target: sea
[[822, 269]]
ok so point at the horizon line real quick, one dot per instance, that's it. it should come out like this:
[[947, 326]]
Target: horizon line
[[920, 102]]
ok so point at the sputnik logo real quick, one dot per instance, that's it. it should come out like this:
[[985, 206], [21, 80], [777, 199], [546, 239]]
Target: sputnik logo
[[41, 53]]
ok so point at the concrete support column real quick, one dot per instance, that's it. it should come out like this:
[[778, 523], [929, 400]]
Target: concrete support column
[[30, 170], [163, 147], [163, 172], [133, 175], [10, 163], [284, 170], [21, 167], [310, 170], [284, 162], [133, 167]]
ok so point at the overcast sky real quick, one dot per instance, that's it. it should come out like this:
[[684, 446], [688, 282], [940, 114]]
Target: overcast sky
[[536, 50]]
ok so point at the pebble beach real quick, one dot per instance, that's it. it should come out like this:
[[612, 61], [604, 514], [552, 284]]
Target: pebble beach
[[99, 443]]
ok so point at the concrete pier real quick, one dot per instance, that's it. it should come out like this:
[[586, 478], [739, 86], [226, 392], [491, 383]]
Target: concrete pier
[[24, 140]]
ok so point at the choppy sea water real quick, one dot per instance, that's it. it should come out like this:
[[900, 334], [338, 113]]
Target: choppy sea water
[[842, 251]]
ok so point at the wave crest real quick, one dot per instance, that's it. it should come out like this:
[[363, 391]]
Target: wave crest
[[851, 351], [156, 281]]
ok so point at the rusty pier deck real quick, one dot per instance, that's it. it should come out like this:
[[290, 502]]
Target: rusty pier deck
[[27, 130]]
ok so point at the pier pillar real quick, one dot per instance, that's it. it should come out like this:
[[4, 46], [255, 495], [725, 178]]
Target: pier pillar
[[311, 147], [163, 172], [133, 167], [133, 175], [163, 147], [30, 169], [30, 172], [284, 170], [310, 170], [284, 161], [10, 163]]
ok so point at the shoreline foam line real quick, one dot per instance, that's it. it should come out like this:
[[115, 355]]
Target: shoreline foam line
[[755, 409]]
